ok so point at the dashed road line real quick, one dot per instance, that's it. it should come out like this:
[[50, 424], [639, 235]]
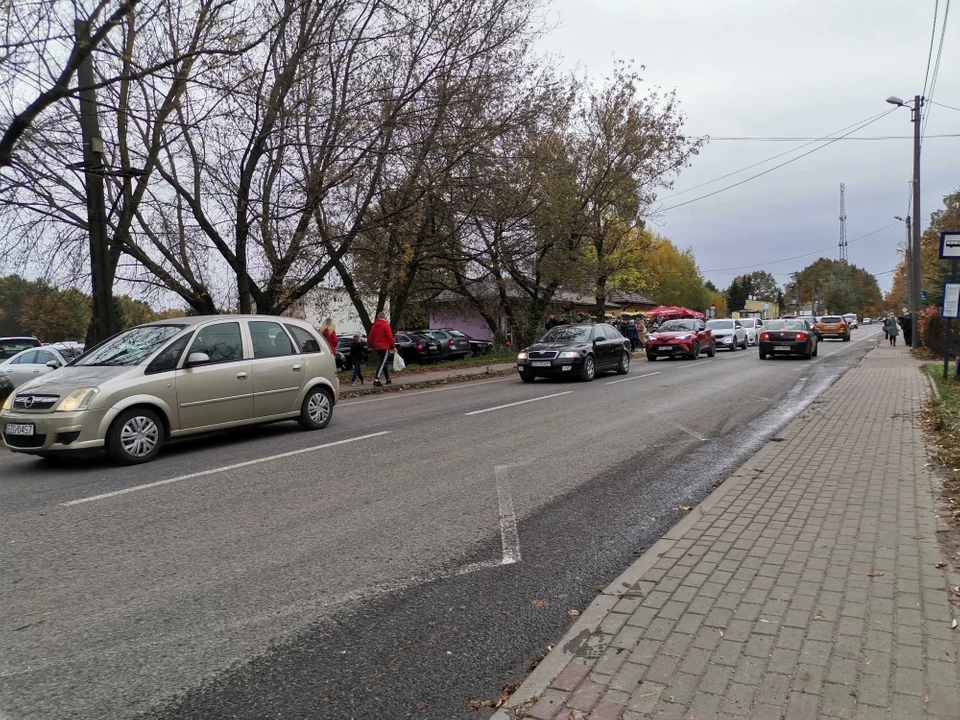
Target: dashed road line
[[521, 402], [225, 468], [635, 377]]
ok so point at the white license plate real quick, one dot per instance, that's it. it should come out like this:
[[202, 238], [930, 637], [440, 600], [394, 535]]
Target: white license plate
[[782, 348], [12, 429], [540, 363]]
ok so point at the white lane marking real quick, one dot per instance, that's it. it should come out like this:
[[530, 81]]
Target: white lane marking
[[761, 397], [522, 402], [635, 377], [400, 394], [225, 468], [691, 365], [691, 433], [508, 520], [509, 537]]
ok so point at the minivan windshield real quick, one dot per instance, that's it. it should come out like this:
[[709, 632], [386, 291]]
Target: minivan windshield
[[131, 347], [568, 334]]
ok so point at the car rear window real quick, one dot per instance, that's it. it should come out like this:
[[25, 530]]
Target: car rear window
[[788, 325], [9, 348], [831, 320]]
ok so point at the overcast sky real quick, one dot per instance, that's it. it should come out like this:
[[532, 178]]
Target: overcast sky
[[749, 68]]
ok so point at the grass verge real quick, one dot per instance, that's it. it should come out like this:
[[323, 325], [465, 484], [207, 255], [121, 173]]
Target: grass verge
[[943, 422]]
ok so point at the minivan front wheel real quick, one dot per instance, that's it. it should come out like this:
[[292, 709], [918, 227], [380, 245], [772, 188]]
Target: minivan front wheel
[[317, 409], [135, 437]]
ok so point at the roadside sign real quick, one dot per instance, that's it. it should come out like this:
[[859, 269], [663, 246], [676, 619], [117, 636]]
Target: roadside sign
[[949, 245], [951, 300], [923, 296]]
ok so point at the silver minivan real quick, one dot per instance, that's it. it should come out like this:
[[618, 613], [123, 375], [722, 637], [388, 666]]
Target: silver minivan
[[172, 378]]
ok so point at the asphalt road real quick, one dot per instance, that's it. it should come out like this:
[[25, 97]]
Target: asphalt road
[[384, 567]]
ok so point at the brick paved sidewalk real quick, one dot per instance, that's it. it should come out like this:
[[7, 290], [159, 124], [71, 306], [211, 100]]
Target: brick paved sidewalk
[[806, 586]]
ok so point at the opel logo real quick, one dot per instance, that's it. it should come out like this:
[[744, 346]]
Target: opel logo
[[28, 401]]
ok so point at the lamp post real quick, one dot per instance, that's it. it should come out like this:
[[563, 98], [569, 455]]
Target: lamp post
[[914, 265]]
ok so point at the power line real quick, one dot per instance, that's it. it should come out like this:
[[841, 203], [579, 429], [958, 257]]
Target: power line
[[948, 107], [797, 257], [933, 35], [776, 167], [845, 139], [769, 159], [936, 65]]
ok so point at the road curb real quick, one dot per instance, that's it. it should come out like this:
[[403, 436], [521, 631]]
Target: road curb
[[558, 658], [480, 373], [564, 651]]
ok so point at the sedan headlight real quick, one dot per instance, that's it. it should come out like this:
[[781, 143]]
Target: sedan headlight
[[568, 354], [683, 337], [521, 356], [78, 400]]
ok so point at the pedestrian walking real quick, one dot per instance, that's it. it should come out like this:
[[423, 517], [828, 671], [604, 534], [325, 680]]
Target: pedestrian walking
[[891, 328], [552, 322], [358, 352], [329, 332], [380, 338], [906, 324], [632, 333]]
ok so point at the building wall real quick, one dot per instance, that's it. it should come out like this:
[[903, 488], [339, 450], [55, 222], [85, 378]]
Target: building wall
[[335, 304], [466, 320]]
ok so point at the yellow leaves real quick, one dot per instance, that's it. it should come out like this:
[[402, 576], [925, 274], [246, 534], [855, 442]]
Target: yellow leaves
[[539, 603], [574, 613], [876, 573], [940, 565]]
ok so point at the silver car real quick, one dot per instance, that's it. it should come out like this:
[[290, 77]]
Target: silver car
[[173, 378], [728, 333], [753, 328]]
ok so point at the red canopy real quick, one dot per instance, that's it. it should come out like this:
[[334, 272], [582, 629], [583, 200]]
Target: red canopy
[[674, 313]]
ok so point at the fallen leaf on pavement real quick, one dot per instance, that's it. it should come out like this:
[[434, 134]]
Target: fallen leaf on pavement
[[876, 573], [505, 692], [573, 612], [940, 565], [539, 603], [422, 706], [685, 508], [477, 704], [953, 624], [956, 590], [819, 615]]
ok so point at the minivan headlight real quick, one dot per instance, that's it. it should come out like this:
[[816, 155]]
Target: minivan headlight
[[78, 400], [8, 403]]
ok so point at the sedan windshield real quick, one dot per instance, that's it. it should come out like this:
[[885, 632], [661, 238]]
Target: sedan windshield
[[720, 324], [748, 323], [567, 334], [678, 326], [131, 347]]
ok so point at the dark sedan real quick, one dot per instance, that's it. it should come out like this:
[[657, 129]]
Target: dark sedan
[[575, 350], [477, 347], [788, 337], [414, 347]]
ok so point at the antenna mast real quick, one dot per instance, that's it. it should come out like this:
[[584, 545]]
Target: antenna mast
[[843, 224]]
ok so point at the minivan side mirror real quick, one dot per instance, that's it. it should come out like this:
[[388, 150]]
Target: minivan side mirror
[[197, 358], [53, 364]]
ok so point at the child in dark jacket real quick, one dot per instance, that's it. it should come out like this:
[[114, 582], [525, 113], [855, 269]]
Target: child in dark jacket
[[358, 351]]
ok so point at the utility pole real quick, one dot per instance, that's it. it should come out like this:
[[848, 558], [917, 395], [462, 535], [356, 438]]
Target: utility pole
[[909, 259], [102, 325], [843, 224], [915, 249]]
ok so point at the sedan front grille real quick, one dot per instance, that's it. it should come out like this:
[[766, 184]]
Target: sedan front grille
[[542, 354], [35, 402]]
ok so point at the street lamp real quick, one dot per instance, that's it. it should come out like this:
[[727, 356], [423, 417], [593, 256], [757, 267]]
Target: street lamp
[[914, 244]]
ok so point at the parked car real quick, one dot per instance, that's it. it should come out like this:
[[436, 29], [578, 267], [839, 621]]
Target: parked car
[[343, 350], [681, 338], [868, 321], [418, 348], [728, 333], [451, 346], [789, 337], [833, 326], [33, 362], [10, 346], [575, 350], [477, 347], [753, 328], [171, 378], [6, 385]]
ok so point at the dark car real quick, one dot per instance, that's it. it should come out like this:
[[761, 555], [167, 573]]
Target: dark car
[[788, 337], [477, 347], [575, 350], [681, 338], [452, 346], [416, 347], [10, 346]]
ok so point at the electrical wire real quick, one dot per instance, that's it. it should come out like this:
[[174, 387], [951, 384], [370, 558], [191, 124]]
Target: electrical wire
[[797, 257], [769, 159], [948, 107], [777, 167], [936, 68], [933, 36], [845, 139]]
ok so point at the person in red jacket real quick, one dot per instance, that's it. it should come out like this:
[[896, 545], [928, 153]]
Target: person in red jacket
[[329, 332], [380, 338]]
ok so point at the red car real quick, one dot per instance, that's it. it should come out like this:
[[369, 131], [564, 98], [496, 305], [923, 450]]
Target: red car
[[681, 338]]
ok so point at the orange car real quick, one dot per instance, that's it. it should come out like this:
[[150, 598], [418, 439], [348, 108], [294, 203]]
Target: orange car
[[833, 326]]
